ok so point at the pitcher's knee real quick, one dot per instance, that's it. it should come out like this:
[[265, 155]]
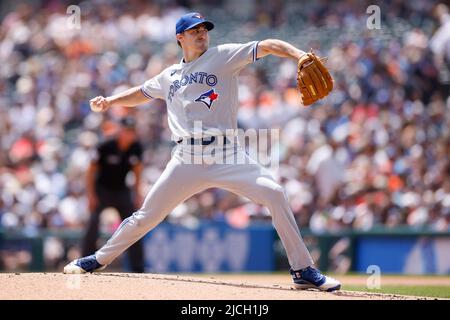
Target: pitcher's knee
[[147, 218], [136, 219]]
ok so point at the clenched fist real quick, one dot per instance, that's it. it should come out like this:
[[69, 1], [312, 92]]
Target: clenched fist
[[99, 104]]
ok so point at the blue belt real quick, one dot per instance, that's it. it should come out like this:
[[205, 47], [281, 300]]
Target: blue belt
[[205, 141]]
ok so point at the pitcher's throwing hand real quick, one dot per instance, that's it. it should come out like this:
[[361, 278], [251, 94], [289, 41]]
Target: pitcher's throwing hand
[[99, 104]]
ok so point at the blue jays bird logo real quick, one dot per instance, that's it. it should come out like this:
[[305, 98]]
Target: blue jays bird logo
[[208, 97]]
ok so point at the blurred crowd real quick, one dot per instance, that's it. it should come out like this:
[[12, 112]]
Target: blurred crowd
[[374, 153]]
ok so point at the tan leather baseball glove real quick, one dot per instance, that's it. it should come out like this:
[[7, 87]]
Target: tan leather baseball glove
[[313, 78]]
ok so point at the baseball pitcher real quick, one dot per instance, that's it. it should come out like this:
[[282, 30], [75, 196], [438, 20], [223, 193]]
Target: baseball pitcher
[[203, 88]]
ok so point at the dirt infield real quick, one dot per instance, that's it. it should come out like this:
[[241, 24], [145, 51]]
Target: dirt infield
[[123, 286]]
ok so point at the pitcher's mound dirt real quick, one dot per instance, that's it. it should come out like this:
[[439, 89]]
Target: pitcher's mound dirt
[[124, 286]]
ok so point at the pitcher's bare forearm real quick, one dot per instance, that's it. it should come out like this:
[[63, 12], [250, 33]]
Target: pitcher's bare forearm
[[278, 48], [129, 98]]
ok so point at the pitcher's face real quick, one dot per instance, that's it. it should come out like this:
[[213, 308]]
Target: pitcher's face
[[196, 39]]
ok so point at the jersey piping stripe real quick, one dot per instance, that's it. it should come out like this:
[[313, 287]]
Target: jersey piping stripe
[[124, 222], [255, 52], [145, 93]]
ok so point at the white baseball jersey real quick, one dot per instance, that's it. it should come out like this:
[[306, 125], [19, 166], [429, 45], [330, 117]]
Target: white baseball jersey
[[205, 89]]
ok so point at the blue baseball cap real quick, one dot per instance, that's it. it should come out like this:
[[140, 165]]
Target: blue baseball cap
[[190, 20]]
